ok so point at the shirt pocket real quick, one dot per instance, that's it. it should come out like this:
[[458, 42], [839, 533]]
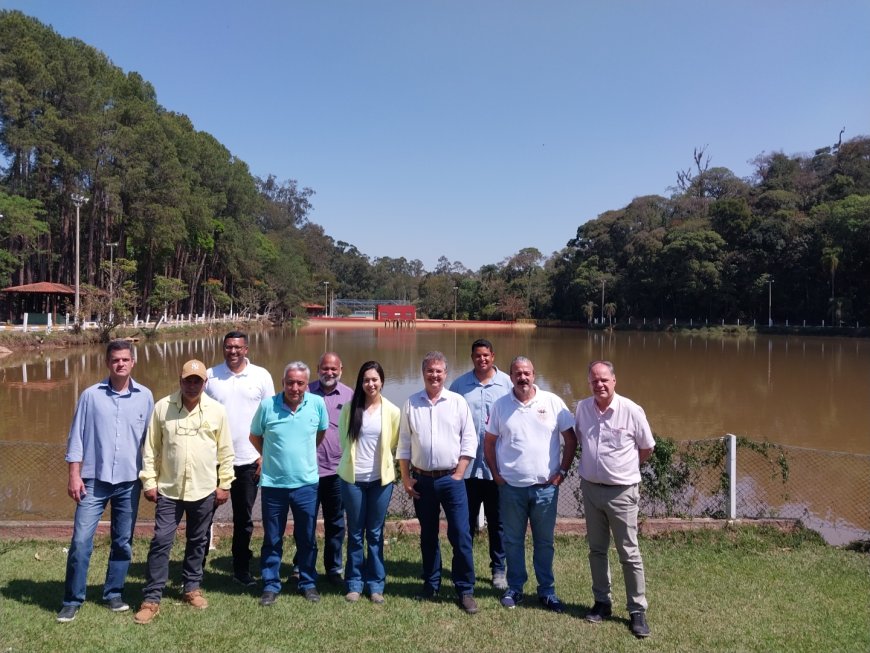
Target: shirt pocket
[[615, 438]]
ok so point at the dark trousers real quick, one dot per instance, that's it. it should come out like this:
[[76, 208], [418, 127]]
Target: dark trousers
[[243, 493], [485, 492], [437, 493], [329, 500], [167, 517]]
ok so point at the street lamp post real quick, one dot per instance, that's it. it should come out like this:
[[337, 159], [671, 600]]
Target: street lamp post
[[326, 299], [769, 301], [455, 300], [79, 201], [112, 247]]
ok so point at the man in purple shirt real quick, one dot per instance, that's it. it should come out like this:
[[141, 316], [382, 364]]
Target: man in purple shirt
[[335, 394], [104, 452]]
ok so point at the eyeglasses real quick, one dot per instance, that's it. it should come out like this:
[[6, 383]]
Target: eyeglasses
[[183, 430]]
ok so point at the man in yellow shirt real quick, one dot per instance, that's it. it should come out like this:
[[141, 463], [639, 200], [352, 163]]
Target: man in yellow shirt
[[189, 436]]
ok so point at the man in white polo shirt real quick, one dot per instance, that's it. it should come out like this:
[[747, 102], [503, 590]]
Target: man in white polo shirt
[[522, 448], [240, 386], [615, 440]]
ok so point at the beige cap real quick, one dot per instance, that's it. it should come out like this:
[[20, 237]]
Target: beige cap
[[193, 368]]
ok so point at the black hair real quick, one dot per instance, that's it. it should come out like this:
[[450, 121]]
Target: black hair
[[358, 403], [482, 342], [236, 334], [118, 345]]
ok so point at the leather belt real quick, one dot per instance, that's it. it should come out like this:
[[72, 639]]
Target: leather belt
[[435, 473]]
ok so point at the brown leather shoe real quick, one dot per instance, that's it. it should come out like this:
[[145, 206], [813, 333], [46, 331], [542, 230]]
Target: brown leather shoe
[[147, 612], [195, 599]]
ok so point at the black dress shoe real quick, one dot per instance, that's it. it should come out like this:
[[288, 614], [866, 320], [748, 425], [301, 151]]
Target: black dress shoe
[[639, 626], [311, 594], [268, 599], [599, 612], [244, 578], [427, 593]]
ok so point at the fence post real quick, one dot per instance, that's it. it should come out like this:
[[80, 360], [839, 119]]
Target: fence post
[[731, 444]]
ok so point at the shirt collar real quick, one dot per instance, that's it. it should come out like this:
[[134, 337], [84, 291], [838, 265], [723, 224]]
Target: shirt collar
[[532, 401], [131, 386], [244, 370]]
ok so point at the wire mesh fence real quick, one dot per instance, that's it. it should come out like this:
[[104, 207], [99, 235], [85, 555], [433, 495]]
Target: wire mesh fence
[[828, 491]]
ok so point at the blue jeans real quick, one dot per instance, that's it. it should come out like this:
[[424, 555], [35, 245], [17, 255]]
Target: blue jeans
[[329, 501], [366, 504], [447, 493], [276, 503], [521, 506], [124, 498]]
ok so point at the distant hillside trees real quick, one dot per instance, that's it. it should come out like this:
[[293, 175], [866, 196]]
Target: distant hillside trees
[[196, 232]]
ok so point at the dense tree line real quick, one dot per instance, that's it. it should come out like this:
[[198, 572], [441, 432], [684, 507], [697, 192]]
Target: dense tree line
[[175, 222]]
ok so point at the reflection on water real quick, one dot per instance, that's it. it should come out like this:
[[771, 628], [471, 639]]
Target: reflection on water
[[807, 392]]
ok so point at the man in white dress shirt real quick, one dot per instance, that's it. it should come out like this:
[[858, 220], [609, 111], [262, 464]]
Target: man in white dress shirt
[[437, 441]]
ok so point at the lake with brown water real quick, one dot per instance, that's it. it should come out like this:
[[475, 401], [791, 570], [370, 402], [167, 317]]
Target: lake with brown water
[[798, 391]]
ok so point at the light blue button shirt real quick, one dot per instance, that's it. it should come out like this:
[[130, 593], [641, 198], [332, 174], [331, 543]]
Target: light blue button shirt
[[108, 430], [480, 398]]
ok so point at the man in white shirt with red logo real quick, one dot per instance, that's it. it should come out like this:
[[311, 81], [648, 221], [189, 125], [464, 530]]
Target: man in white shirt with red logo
[[615, 440], [522, 449]]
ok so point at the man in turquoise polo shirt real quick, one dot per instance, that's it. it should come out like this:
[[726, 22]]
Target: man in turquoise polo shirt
[[286, 430]]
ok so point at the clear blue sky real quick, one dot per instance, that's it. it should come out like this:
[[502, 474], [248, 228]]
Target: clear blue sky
[[472, 129]]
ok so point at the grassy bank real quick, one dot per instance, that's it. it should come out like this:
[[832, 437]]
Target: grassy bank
[[743, 589]]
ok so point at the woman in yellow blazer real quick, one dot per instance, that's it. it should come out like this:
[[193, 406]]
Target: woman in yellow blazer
[[368, 431]]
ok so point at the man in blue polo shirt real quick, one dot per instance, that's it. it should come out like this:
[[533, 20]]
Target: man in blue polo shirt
[[104, 452], [286, 430], [481, 387]]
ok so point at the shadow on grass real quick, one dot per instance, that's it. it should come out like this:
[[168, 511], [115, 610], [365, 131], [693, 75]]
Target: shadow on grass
[[47, 595]]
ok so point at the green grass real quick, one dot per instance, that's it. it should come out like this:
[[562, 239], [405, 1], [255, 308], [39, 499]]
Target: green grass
[[736, 590]]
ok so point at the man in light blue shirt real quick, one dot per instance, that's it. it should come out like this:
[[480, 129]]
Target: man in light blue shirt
[[104, 453], [481, 387], [285, 431]]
